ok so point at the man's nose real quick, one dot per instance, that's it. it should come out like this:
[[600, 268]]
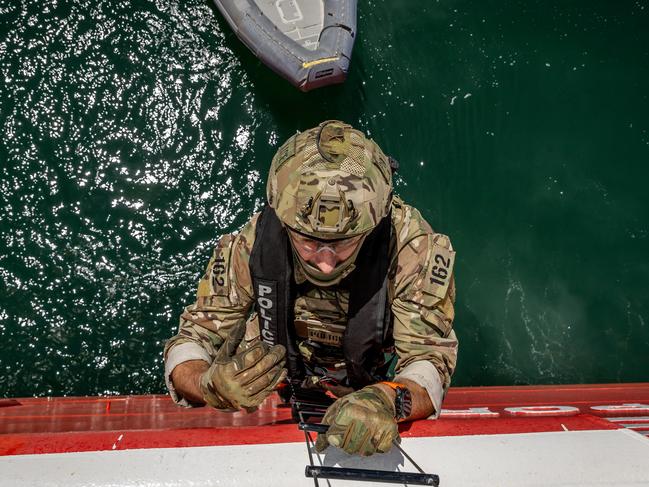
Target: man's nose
[[325, 260]]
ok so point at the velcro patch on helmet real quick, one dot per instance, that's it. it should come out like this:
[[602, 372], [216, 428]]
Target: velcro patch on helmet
[[333, 142]]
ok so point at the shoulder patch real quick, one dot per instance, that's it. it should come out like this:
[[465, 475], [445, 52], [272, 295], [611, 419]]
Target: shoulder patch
[[440, 267], [216, 281], [220, 265]]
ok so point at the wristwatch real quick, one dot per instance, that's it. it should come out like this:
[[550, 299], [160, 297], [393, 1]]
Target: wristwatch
[[402, 400]]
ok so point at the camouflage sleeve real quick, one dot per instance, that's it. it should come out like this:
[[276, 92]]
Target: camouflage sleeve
[[223, 300], [423, 311]]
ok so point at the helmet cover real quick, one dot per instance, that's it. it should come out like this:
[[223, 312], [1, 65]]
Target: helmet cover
[[330, 182]]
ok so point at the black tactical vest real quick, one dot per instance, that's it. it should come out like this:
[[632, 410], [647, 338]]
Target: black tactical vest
[[369, 317]]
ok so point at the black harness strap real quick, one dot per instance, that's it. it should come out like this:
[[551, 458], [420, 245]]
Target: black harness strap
[[271, 268], [364, 336]]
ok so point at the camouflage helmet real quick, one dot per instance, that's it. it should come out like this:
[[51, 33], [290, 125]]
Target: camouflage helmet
[[330, 182]]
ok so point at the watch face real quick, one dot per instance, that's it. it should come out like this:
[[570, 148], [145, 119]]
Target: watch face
[[403, 403]]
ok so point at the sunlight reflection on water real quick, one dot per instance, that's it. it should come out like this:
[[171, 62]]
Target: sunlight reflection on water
[[112, 187]]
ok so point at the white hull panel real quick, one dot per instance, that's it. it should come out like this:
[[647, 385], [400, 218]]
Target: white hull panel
[[567, 459]]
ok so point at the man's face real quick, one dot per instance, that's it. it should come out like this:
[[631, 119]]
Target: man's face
[[325, 255]]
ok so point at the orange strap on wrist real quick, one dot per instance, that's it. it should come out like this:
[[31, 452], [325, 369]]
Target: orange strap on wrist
[[394, 385]]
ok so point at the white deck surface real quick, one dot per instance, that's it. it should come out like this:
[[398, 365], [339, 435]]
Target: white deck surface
[[570, 458]]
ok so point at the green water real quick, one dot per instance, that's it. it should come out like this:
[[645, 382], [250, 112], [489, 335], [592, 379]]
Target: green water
[[134, 133]]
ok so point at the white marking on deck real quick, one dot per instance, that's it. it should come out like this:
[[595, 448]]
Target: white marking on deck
[[626, 418], [118, 440], [637, 424]]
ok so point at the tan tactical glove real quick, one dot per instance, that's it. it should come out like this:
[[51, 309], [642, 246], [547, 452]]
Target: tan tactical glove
[[244, 379], [361, 422]]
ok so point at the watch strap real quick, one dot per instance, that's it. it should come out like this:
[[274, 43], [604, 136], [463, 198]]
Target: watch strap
[[402, 399]]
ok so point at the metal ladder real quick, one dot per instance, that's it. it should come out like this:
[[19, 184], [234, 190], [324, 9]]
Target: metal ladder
[[306, 406]]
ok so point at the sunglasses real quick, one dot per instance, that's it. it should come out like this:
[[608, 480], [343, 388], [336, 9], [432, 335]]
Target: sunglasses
[[310, 245]]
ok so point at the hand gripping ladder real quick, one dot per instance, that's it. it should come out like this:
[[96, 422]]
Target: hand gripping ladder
[[306, 405]]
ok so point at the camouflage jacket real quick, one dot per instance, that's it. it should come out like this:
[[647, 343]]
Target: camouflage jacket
[[421, 292]]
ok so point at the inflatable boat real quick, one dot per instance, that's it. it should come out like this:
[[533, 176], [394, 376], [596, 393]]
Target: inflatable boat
[[570, 435], [308, 42]]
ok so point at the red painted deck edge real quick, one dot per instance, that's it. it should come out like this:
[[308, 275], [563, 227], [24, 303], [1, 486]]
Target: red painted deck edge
[[59, 425], [27, 444]]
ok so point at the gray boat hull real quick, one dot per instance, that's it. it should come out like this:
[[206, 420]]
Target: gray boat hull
[[308, 42]]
